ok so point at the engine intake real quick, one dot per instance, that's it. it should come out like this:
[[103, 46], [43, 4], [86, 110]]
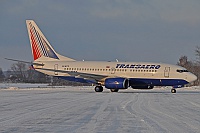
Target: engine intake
[[116, 83]]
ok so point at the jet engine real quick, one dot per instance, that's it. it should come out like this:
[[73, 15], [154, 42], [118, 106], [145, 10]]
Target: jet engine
[[116, 83]]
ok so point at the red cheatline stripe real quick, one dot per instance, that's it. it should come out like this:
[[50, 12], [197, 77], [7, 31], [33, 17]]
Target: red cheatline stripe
[[35, 47], [32, 43], [37, 43]]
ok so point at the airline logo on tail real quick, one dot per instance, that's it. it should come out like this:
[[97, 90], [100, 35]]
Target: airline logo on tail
[[40, 46]]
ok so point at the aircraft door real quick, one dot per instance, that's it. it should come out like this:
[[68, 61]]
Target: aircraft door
[[112, 70], [56, 68], [166, 72]]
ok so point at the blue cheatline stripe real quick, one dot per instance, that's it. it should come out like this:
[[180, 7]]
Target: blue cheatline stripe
[[45, 47], [157, 82], [41, 45], [136, 81], [50, 52]]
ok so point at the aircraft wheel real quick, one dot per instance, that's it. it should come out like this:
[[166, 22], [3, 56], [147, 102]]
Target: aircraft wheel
[[114, 90], [173, 90], [98, 88]]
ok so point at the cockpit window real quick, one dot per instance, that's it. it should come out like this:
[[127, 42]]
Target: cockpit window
[[181, 71]]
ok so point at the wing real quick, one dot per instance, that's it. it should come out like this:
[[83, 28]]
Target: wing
[[79, 74]]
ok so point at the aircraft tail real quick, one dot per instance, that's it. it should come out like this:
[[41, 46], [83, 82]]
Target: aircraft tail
[[41, 48]]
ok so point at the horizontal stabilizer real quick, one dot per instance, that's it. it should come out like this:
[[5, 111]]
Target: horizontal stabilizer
[[32, 63]]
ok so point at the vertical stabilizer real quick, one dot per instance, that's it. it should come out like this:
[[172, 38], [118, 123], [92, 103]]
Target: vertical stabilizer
[[41, 48]]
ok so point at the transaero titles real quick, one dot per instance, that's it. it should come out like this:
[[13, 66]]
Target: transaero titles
[[138, 66]]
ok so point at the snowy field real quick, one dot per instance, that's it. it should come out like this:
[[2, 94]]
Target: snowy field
[[81, 110]]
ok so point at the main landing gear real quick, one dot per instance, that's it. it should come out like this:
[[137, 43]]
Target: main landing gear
[[98, 88], [114, 90], [173, 90]]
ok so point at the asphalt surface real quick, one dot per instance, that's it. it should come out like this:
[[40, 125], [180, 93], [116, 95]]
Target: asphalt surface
[[76, 110]]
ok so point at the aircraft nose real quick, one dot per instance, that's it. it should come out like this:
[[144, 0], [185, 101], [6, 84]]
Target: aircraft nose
[[192, 77]]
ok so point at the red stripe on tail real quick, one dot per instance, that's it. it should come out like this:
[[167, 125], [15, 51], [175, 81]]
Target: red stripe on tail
[[35, 49]]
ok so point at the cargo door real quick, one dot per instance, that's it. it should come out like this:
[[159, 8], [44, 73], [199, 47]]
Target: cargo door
[[56, 68]]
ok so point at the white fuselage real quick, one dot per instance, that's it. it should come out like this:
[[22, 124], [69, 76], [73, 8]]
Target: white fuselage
[[141, 70]]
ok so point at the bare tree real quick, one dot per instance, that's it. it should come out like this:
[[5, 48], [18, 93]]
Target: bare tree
[[197, 53], [2, 76], [183, 61], [19, 70], [190, 66]]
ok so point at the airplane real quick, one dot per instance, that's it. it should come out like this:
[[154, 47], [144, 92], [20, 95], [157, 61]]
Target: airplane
[[113, 75]]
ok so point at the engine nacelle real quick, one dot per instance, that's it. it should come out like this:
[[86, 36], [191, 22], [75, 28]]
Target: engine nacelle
[[116, 83], [143, 87]]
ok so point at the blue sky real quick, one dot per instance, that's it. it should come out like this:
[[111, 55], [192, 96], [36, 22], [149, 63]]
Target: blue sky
[[105, 30]]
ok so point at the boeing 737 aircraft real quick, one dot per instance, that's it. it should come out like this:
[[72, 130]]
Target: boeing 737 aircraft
[[112, 75]]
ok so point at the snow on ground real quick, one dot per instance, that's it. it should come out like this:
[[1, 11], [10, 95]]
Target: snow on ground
[[21, 85], [81, 110]]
